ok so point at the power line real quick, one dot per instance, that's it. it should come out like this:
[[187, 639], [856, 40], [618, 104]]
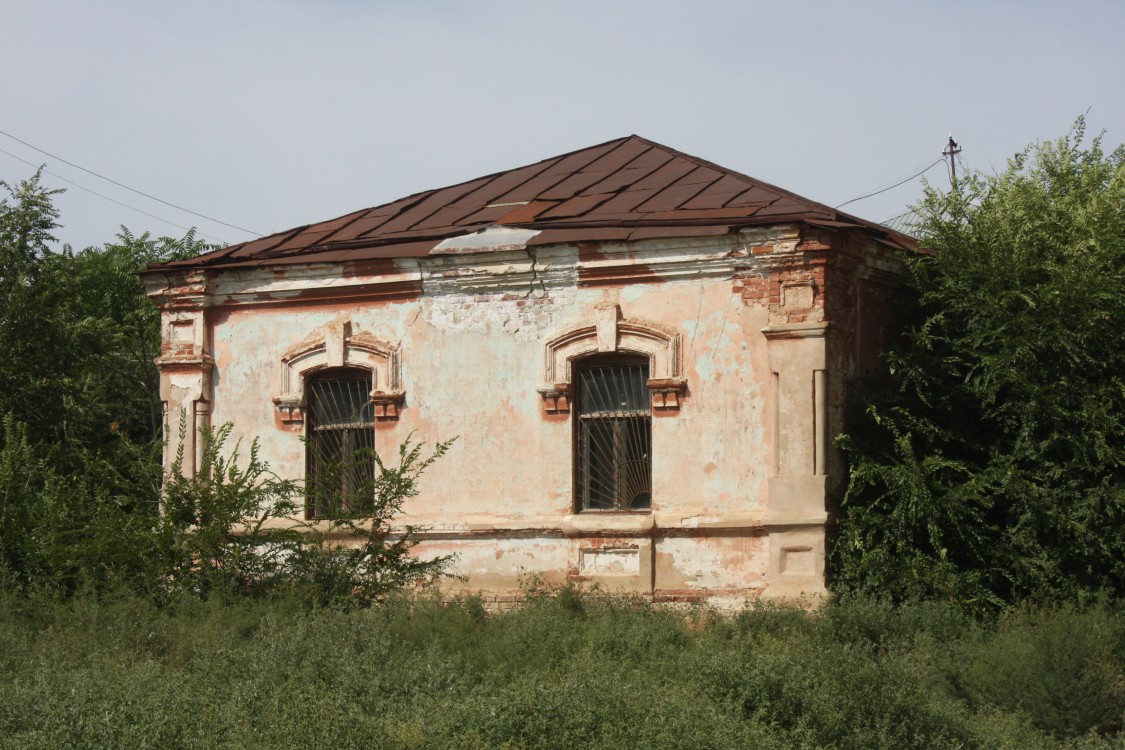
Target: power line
[[902, 176], [132, 190], [961, 161], [930, 166], [106, 197]]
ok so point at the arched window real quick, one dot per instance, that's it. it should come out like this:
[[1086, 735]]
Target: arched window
[[340, 448], [613, 434]]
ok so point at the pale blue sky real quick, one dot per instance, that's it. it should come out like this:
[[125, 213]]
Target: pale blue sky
[[271, 115]]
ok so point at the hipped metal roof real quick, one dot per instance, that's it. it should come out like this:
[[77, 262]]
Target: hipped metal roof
[[625, 189]]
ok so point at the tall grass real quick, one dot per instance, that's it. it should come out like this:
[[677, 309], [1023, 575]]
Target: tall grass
[[568, 671]]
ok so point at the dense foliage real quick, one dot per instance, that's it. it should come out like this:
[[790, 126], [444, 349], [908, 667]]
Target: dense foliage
[[78, 334], [566, 670], [991, 467], [79, 400], [81, 496]]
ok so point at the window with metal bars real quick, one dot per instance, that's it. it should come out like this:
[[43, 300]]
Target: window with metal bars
[[613, 436], [340, 448]]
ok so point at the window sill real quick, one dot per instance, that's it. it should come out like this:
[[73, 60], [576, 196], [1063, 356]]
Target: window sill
[[616, 523]]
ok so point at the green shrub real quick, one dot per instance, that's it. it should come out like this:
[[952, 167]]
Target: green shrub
[[97, 670], [1064, 668]]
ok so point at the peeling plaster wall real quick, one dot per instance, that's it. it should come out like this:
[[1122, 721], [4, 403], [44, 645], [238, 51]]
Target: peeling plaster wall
[[739, 494]]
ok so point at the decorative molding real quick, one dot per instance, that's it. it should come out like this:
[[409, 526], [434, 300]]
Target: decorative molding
[[336, 345], [666, 392], [556, 398], [797, 330], [609, 332], [387, 404], [170, 362]]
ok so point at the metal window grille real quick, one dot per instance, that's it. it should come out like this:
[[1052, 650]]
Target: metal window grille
[[613, 440], [340, 468]]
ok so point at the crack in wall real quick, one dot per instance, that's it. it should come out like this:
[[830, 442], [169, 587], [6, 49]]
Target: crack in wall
[[535, 278]]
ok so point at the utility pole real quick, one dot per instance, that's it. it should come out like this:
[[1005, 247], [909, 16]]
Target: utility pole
[[950, 151]]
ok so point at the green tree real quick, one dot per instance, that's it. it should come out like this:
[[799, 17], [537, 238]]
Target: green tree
[[30, 386], [81, 496], [79, 338], [78, 335], [991, 465]]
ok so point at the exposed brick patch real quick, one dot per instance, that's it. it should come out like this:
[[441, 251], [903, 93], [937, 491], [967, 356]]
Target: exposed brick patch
[[753, 289]]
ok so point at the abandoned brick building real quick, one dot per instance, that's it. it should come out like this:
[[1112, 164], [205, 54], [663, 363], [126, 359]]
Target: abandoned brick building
[[645, 357]]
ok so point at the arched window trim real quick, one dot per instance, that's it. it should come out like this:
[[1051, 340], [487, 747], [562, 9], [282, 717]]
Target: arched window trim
[[610, 333], [337, 346]]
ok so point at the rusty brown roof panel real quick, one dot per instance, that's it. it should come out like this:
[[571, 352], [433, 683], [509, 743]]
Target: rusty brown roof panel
[[531, 189], [601, 234], [525, 212], [700, 176], [487, 215], [717, 194], [576, 161], [412, 215], [578, 206], [787, 206], [627, 187], [417, 249], [362, 226], [716, 214], [650, 233], [447, 196], [559, 169], [708, 199], [445, 217], [551, 177], [635, 171], [623, 203], [651, 159], [499, 185], [573, 185], [618, 181], [333, 225], [627, 151], [263, 245], [756, 195], [670, 198], [301, 240], [667, 175]]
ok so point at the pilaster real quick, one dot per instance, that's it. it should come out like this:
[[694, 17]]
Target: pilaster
[[185, 364]]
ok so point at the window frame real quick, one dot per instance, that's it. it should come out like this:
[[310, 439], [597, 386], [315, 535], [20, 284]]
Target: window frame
[[581, 468], [358, 478]]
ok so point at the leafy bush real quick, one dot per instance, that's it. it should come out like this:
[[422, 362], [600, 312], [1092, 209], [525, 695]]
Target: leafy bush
[[1064, 669], [369, 563], [991, 466], [234, 527]]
